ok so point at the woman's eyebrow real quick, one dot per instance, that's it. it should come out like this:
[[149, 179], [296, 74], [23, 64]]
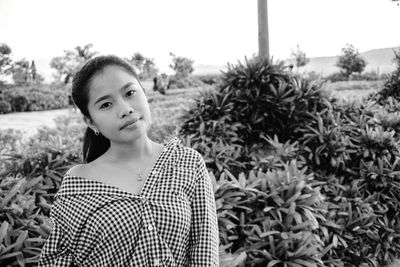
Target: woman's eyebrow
[[127, 85]]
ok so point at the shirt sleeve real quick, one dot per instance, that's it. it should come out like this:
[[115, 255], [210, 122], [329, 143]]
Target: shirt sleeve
[[54, 253], [204, 239]]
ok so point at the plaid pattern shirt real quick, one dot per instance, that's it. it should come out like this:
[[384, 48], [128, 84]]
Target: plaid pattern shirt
[[171, 223]]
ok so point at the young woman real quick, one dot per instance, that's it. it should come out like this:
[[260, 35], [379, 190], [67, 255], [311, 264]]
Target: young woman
[[134, 202]]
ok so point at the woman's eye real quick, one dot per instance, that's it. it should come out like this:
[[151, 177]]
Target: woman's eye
[[130, 93], [105, 105]]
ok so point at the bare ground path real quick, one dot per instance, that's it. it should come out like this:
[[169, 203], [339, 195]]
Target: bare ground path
[[28, 122]]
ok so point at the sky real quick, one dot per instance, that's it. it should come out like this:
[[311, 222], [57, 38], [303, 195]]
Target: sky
[[211, 32]]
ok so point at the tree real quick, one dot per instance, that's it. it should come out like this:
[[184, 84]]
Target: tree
[[350, 61], [21, 72], [300, 57], [5, 59], [181, 65], [145, 67], [24, 72], [84, 52], [68, 64]]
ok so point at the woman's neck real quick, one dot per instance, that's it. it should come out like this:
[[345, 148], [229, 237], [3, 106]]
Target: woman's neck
[[137, 151]]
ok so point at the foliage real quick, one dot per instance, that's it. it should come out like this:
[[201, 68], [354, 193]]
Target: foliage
[[5, 58], [69, 63], [31, 172], [336, 77], [366, 76], [145, 67], [210, 79], [10, 141], [272, 216], [27, 191], [391, 88], [179, 82], [5, 107], [181, 65], [253, 100], [351, 150], [299, 179], [21, 70], [34, 98], [300, 57], [350, 61]]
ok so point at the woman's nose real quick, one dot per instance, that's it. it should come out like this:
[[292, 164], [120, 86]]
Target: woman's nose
[[125, 109]]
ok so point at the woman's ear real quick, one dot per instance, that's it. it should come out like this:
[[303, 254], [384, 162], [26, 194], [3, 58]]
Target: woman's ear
[[89, 122]]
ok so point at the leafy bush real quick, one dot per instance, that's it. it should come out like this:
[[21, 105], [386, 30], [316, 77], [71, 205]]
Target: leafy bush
[[351, 151], [253, 100], [299, 179], [210, 79], [31, 178], [5, 107], [391, 87], [271, 216], [24, 220], [336, 77], [10, 141], [35, 98], [365, 76], [177, 82]]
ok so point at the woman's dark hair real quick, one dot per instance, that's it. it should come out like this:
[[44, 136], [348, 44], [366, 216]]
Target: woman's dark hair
[[93, 145]]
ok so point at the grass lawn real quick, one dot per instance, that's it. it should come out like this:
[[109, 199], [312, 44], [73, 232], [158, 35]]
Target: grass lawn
[[353, 90]]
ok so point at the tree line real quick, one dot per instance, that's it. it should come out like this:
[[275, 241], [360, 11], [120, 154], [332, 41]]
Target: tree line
[[24, 71]]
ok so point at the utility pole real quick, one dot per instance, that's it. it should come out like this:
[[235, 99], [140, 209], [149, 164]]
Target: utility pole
[[263, 38]]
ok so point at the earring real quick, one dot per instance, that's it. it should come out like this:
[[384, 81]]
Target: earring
[[96, 132]]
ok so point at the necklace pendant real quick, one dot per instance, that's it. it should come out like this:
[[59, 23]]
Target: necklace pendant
[[140, 177]]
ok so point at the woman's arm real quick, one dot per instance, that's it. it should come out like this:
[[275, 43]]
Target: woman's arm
[[204, 240], [54, 252]]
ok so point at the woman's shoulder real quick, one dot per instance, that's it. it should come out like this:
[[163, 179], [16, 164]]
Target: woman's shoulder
[[190, 157], [79, 170]]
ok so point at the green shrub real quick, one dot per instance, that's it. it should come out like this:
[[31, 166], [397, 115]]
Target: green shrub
[[351, 150], [31, 177], [356, 159], [336, 77], [271, 216], [253, 100], [184, 82], [391, 87], [210, 79], [5, 107], [24, 220], [28, 98], [19, 103], [10, 141]]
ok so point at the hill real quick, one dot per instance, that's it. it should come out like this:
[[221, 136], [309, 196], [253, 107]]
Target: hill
[[378, 60]]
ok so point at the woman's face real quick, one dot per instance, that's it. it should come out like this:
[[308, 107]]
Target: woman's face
[[118, 105]]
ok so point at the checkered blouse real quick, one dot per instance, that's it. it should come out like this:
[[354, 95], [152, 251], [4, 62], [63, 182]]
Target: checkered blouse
[[171, 223]]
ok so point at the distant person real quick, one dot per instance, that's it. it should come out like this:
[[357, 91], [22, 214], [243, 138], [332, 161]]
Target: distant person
[[161, 83], [134, 202]]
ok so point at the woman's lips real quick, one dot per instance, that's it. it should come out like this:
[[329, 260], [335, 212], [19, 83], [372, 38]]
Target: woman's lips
[[129, 122]]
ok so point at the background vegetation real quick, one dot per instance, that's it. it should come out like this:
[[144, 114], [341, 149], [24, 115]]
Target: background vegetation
[[302, 176]]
